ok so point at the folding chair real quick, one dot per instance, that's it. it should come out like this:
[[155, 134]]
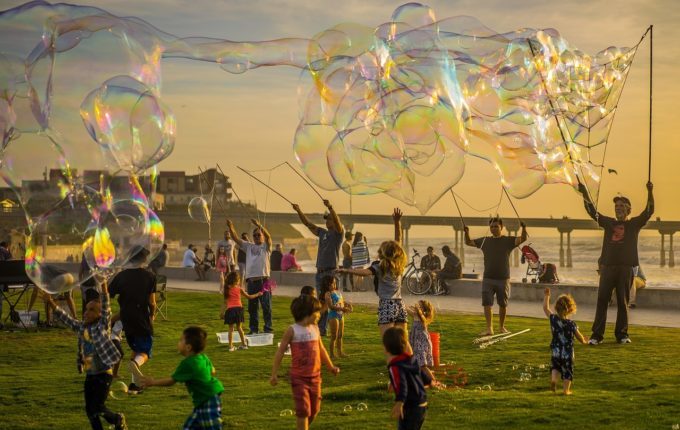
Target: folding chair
[[162, 297]]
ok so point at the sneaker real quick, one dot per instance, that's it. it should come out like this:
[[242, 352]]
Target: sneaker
[[232, 348], [120, 423], [133, 367], [243, 347], [134, 389], [625, 340], [594, 341]]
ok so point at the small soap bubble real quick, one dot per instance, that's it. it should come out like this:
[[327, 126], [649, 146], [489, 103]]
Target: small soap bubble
[[542, 366], [286, 413], [487, 387], [362, 407], [117, 390], [478, 388], [676, 427], [514, 367], [347, 408]]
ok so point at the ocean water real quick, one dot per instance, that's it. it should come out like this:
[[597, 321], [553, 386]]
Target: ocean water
[[585, 252]]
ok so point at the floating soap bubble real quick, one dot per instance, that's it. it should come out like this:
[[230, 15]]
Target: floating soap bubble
[[118, 390], [347, 408], [362, 407], [286, 413], [130, 123], [393, 108], [199, 210]]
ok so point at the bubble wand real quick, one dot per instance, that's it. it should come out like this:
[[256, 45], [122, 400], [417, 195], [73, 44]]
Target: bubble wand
[[235, 193], [306, 181], [272, 189]]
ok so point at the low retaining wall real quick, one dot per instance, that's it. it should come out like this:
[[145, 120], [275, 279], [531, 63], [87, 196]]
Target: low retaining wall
[[650, 297], [661, 298]]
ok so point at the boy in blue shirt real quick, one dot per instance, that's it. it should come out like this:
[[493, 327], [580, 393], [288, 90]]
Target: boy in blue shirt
[[407, 380], [197, 372]]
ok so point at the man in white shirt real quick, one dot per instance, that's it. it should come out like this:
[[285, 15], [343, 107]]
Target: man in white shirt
[[190, 260], [257, 273]]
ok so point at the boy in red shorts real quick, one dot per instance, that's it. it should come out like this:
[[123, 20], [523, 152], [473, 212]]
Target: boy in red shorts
[[307, 354]]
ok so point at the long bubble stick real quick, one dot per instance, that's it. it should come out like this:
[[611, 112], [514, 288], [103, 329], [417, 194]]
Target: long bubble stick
[[305, 179], [250, 213], [272, 189], [651, 54], [460, 214], [219, 203]]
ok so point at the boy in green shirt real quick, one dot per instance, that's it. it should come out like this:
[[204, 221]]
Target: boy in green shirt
[[197, 372]]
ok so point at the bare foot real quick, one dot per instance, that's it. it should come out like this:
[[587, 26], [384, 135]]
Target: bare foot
[[343, 355], [553, 386], [504, 330], [488, 332], [568, 393]]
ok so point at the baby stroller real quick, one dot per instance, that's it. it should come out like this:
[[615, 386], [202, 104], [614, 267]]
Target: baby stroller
[[537, 271]]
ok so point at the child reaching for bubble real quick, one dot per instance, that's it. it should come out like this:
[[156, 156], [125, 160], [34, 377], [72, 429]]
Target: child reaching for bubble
[[308, 353], [564, 330], [419, 337], [197, 372], [387, 279], [234, 314], [335, 303], [99, 355]]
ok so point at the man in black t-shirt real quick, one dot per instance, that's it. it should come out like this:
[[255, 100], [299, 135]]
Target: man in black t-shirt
[[136, 290], [496, 280], [618, 259]]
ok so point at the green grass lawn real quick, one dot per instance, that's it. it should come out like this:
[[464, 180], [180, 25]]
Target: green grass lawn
[[620, 387]]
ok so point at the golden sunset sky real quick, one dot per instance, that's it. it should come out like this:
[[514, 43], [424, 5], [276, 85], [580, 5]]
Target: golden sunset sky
[[250, 119]]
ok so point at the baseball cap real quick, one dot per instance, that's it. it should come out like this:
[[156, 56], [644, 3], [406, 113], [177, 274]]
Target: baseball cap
[[622, 199]]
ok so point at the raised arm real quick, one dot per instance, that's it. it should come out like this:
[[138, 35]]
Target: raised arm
[[546, 302], [337, 225], [590, 207], [649, 208], [396, 217], [71, 322], [522, 237], [468, 241], [106, 305], [311, 226], [267, 236], [232, 233]]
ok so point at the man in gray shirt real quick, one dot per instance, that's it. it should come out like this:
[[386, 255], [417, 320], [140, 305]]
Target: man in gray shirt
[[330, 240], [496, 280]]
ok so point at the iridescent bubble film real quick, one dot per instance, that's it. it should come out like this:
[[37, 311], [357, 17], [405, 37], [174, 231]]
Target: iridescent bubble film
[[395, 108]]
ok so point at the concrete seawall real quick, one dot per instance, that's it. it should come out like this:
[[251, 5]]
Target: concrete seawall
[[657, 298]]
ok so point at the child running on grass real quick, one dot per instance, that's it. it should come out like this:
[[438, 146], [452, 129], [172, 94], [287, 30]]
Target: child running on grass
[[308, 353], [99, 356], [336, 310], [563, 332], [234, 314], [198, 373], [407, 380], [419, 337]]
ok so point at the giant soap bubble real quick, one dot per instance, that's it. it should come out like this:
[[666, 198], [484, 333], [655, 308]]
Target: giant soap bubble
[[395, 108]]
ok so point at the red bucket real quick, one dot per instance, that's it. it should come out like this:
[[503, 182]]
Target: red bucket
[[434, 338]]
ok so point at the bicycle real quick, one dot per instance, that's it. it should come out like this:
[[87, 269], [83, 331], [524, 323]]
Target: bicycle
[[418, 281]]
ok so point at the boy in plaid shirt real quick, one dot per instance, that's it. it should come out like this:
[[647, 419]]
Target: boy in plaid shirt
[[99, 355], [197, 372]]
